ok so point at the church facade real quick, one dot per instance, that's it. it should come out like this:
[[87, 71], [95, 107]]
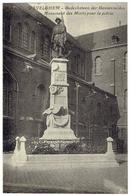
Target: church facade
[[107, 54]]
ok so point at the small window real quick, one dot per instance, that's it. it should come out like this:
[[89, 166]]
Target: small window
[[40, 90], [98, 65], [125, 61], [115, 39]]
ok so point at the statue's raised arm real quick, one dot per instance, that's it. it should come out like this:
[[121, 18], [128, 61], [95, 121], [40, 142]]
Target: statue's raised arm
[[58, 39]]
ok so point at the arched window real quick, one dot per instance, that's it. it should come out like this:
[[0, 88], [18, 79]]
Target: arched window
[[46, 48], [9, 95], [98, 65], [40, 90], [10, 90], [125, 61], [25, 36], [33, 41], [125, 99]]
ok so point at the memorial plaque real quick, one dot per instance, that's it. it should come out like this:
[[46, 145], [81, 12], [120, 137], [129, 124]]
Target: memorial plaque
[[60, 77]]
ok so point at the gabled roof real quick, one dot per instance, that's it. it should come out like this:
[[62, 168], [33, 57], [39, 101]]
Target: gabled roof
[[103, 38]]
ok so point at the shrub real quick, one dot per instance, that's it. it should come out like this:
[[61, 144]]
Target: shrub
[[9, 145]]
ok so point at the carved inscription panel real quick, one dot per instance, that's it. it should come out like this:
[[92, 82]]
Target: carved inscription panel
[[60, 77]]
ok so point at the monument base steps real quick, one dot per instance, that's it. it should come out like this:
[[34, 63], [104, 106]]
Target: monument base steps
[[54, 161]]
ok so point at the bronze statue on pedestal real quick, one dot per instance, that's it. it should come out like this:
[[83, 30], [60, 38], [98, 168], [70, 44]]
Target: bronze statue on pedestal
[[58, 39]]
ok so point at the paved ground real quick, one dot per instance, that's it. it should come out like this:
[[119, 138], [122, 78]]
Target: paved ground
[[35, 179]]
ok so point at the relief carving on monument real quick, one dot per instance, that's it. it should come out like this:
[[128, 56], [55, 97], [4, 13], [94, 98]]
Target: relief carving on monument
[[55, 67], [60, 90], [56, 116], [53, 89], [56, 89]]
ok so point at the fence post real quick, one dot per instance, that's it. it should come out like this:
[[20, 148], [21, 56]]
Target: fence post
[[110, 153], [22, 153], [15, 156]]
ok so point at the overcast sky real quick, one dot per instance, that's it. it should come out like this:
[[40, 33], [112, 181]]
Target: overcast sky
[[115, 14]]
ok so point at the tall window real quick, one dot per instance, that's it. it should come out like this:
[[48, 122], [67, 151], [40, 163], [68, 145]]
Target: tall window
[[98, 65], [125, 99], [77, 64], [25, 36], [33, 41], [7, 30], [125, 61], [9, 95], [46, 48], [40, 92], [75, 69], [82, 68], [111, 110], [19, 34], [99, 113]]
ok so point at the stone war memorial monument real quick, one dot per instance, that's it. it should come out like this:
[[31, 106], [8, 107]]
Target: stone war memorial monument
[[58, 118], [58, 134]]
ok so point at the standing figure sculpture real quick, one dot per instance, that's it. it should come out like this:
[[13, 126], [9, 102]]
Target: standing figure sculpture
[[58, 39]]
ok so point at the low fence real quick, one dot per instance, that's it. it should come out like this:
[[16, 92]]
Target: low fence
[[36, 146]]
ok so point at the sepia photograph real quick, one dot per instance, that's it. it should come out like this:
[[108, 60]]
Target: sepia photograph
[[65, 92]]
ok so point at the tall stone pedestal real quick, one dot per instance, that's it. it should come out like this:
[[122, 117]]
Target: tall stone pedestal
[[58, 118]]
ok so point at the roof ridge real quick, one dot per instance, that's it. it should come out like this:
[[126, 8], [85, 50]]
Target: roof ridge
[[100, 31]]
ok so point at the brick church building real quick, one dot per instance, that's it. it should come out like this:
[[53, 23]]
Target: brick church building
[[26, 78]]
